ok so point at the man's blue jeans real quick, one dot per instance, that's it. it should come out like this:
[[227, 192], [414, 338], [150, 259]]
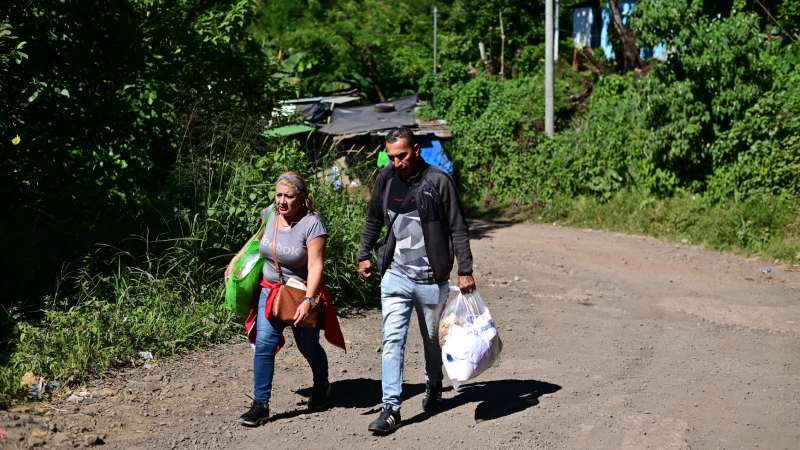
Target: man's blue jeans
[[399, 295], [268, 333]]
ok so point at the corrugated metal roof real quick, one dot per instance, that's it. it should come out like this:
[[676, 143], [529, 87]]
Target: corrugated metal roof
[[436, 127], [336, 100], [365, 119]]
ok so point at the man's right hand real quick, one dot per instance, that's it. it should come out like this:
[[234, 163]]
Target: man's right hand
[[365, 268]]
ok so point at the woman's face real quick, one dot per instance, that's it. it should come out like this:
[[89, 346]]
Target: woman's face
[[287, 200]]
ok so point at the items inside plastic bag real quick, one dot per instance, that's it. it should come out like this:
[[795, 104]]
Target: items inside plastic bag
[[247, 263], [468, 337]]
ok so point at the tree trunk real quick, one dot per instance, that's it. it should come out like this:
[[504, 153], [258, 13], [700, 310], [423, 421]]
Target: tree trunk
[[630, 51]]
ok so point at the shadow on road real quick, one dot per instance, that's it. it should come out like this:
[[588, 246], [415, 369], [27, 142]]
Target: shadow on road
[[353, 393], [479, 229], [497, 398]]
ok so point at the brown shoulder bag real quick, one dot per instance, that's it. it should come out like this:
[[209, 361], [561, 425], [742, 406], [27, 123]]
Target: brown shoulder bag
[[289, 298]]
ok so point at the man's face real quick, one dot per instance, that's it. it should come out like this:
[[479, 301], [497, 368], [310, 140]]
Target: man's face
[[404, 157]]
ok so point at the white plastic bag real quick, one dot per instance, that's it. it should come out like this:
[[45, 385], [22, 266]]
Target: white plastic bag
[[468, 337]]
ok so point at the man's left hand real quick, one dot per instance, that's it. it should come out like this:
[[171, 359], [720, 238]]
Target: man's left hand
[[466, 283]]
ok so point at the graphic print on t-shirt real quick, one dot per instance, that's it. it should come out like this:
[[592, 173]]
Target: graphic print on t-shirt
[[290, 247], [410, 256]]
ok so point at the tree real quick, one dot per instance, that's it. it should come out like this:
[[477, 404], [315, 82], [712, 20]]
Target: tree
[[628, 53], [103, 98]]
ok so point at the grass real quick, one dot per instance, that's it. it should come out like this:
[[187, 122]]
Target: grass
[[120, 315], [165, 303], [765, 226], [165, 296]]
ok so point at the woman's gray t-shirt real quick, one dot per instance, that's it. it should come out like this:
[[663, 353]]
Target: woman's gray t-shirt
[[291, 247]]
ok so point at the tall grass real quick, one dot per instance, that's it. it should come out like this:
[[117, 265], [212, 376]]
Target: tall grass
[[766, 225], [170, 306], [162, 291]]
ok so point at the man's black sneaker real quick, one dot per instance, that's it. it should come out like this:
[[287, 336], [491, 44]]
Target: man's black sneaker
[[433, 397], [320, 397], [258, 414], [387, 421]]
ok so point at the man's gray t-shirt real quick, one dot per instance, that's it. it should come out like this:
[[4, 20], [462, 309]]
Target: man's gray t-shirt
[[291, 247], [410, 256]]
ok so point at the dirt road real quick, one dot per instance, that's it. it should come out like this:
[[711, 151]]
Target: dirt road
[[611, 341]]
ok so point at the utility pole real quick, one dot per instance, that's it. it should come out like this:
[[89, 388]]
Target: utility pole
[[555, 32], [435, 26], [502, 46], [548, 68]]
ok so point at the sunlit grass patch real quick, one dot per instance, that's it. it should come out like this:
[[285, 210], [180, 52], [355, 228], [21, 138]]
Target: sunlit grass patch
[[767, 226]]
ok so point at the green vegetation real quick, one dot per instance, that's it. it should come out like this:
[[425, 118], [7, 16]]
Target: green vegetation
[[384, 48], [763, 225], [103, 98], [168, 298], [718, 122], [134, 165], [134, 179]]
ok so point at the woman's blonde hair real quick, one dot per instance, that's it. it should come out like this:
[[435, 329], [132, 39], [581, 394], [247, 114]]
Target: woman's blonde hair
[[298, 184]]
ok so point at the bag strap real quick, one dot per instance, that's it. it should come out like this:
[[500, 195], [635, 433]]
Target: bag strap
[[275, 253], [263, 224]]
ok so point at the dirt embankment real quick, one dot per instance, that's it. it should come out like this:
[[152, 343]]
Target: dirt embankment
[[611, 341]]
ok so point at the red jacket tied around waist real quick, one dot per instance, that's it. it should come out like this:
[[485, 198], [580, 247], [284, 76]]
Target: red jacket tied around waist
[[333, 331]]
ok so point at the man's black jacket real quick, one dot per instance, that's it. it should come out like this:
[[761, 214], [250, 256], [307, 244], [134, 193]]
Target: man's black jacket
[[443, 225]]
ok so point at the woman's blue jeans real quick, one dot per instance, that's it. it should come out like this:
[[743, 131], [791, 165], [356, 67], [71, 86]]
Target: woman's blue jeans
[[399, 295], [268, 333]]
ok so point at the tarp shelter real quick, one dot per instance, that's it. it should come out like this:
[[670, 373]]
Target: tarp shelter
[[366, 119], [314, 109], [376, 120], [365, 126]]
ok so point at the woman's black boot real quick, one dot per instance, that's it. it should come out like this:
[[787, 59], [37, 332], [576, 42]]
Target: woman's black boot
[[257, 415]]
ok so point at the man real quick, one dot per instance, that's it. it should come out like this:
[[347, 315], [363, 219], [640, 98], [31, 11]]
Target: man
[[420, 206]]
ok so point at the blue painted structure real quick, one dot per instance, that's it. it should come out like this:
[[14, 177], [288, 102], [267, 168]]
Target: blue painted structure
[[590, 29], [626, 8], [585, 27]]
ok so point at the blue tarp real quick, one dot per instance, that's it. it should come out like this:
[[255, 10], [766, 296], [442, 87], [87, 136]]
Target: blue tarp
[[433, 153]]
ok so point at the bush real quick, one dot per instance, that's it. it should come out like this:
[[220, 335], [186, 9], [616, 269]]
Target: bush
[[605, 149], [164, 294], [441, 89], [104, 97], [497, 124], [169, 304], [702, 147], [711, 107], [761, 152], [718, 117]]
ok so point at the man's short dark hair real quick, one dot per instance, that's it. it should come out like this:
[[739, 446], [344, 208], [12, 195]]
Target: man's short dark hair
[[398, 133]]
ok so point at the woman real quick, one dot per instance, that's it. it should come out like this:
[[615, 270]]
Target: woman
[[295, 233]]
